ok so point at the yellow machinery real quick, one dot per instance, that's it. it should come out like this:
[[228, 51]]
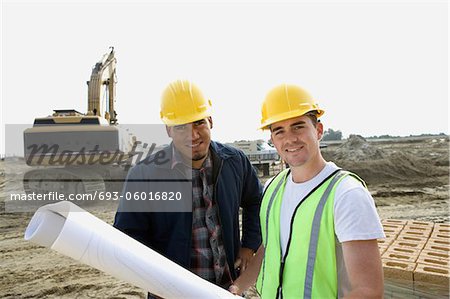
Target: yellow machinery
[[74, 152]]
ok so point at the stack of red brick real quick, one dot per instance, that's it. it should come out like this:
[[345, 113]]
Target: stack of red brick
[[416, 253]]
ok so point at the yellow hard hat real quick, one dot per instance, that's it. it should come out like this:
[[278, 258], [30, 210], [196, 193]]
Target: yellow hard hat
[[284, 102], [182, 102]]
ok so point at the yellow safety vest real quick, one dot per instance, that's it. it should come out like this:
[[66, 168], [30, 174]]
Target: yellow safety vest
[[308, 267]]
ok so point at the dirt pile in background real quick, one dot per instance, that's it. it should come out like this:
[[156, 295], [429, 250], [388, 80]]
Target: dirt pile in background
[[378, 162], [356, 148]]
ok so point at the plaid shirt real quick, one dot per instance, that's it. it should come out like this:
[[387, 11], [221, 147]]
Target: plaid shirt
[[208, 257]]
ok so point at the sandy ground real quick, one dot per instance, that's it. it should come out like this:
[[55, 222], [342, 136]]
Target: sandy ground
[[409, 179]]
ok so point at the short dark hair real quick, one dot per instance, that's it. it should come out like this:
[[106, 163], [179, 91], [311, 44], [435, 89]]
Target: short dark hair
[[313, 116]]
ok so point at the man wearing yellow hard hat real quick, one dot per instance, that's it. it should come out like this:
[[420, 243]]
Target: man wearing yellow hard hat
[[319, 223], [206, 240]]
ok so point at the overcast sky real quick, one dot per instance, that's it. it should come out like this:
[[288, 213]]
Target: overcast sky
[[375, 67]]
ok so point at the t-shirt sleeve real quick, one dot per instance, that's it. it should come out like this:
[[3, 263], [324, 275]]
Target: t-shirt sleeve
[[355, 214]]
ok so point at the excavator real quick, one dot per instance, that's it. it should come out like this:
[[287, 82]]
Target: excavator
[[73, 152]]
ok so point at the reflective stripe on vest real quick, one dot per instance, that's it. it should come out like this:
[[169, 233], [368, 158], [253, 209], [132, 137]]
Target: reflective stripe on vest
[[312, 251], [274, 263], [272, 197]]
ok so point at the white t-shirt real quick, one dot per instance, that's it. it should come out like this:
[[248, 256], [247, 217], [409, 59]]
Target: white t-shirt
[[356, 217]]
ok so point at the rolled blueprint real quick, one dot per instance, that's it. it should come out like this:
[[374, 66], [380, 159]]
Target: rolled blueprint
[[74, 232]]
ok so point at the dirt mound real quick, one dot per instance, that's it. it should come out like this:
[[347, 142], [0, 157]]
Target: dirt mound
[[356, 148], [381, 163]]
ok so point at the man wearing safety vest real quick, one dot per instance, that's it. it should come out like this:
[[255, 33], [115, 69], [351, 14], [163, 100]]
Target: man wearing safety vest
[[319, 223], [206, 239]]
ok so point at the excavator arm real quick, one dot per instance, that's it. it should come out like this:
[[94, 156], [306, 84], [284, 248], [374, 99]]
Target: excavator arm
[[101, 85]]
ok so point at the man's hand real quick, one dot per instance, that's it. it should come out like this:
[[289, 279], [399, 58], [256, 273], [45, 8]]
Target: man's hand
[[233, 289], [252, 265], [244, 257]]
